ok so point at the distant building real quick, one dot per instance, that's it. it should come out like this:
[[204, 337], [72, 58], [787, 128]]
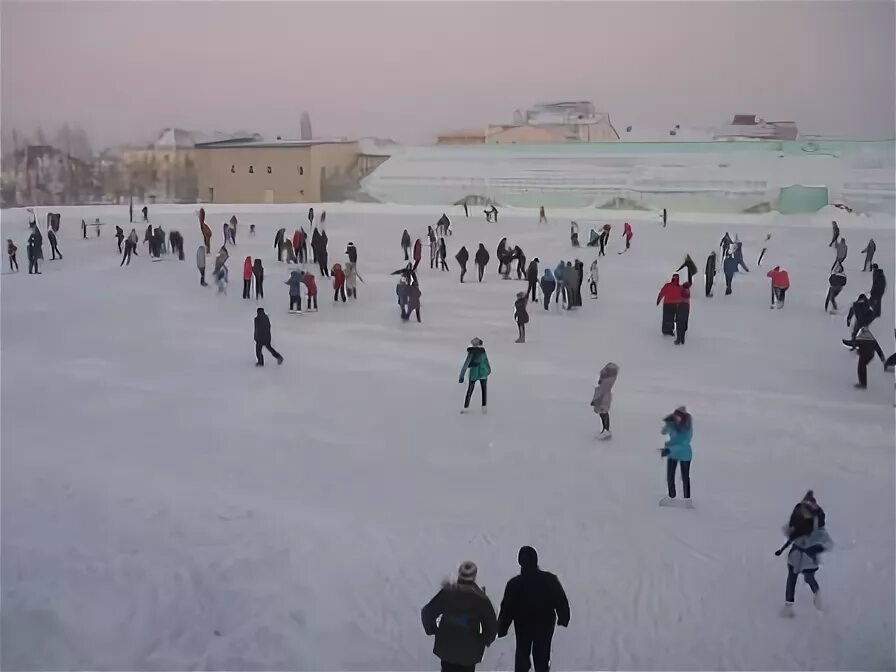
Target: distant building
[[251, 170], [45, 175], [471, 136], [751, 126]]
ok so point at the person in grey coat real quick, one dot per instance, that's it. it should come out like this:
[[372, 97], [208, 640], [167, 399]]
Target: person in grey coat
[[807, 538], [200, 264], [842, 250], [869, 251], [603, 397], [463, 621], [295, 283]]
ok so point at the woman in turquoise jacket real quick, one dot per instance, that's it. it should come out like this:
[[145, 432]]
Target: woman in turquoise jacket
[[679, 428], [477, 363]]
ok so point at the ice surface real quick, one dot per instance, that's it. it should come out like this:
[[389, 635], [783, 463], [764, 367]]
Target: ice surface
[[166, 505]]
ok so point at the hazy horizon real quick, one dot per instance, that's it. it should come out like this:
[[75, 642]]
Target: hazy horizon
[[123, 71]]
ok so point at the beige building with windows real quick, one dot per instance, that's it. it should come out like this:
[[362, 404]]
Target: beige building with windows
[[275, 171]]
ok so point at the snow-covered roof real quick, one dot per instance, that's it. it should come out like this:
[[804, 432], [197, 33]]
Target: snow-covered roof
[[258, 141]]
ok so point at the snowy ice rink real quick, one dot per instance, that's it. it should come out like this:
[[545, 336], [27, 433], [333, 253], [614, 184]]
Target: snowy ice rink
[[166, 505]]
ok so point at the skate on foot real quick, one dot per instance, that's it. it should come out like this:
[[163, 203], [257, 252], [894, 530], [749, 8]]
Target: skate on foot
[[816, 600], [464, 411], [667, 501], [787, 610], [259, 363], [484, 410], [279, 361], [605, 434]]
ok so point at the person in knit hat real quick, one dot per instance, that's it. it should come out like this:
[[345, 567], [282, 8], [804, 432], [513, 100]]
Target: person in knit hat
[[679, 427], [807, 539], [534, 602], [468, 623]]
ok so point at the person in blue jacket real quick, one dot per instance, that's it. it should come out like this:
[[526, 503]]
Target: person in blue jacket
[[679, 428], [480, 369], [560, 279], [729, 267], [807, 539], [548, 285], [295, 282]]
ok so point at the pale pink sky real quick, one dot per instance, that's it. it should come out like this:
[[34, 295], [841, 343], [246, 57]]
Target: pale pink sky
[[124, 70]]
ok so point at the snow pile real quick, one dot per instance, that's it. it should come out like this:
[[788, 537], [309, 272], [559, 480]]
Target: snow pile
[[166, 505]]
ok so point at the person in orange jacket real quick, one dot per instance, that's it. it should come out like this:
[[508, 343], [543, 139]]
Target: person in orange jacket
[[780, 285], [206, 230], [338, 282], [247, 277], [311, 285]]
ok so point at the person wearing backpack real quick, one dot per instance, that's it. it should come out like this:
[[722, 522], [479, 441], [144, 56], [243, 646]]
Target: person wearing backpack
[[480, 369], [780, 285], [677, 451], [807, 539]]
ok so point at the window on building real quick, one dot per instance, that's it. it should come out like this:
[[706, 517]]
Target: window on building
[[269, 170], [301, 170], [251, 169], [232, 168]]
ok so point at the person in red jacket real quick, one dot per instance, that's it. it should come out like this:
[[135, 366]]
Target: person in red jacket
[[780, 285], [310, 283], [338, 282], [296, 242], [670, 295], [11, 250], [682, 313], [627, 234], [418, 252], [247, 277]]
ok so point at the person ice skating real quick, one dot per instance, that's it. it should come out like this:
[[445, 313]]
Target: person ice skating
[[443, 226], [501, 253], [836, 283], [177, 244], [725, 244], [482, 258], [221, 259], [226, 231], [835, 234], [867, 346], [302, 252], [206, 231], [310, 290], [710, 272], [11, 250], [532, 279], [119, 236], [463, 621], [54, 248], [807, 539], [548, 285], [278, 243], [413, 301], [689, 265], [315, 244], [352, 253], [869, 251], [351, 279], [541, 216], [247, 277], [323, 218], [593, 239], [338, 283], [222, 275], [466, 209], [627, 234], [263, 338], [535, 603], [134, 238], [323, 255], [579, 269], [405, 243], [462, 258], [295, 283], [739, 255], [480, 369], [147, 238], [682, 314], [233, 224], [574, 234], [491, 215], [560, 278], [442, 253], [401, 292], [878, 287], [729, 268], [251, 230], [842, 249], [780, 285], [418, 252], [569, 282], [863, 313], [130, 248], [296, 244], [593, 277], [679, 428], [603, 397], [258, 272], [521, 315], [665, 218], [145, 211], [768, 237], [520, 257], [670, 296], [83, 229], [291, 257], [602, 240], [310, 216], [35, 250]]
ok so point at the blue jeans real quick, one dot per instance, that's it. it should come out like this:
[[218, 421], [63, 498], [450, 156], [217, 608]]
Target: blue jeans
[[808, 576]]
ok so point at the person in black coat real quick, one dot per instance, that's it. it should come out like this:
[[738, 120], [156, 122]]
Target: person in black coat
[[462, 257], [35, 250], [323, 254], [532, 279], [520, 257], [836, 283], [443, 252], [835, 230], [863, 313], [406, 244], [278, 243], [878, 287], [534, 602], [258, 272], [119, 236], [867, 346], [501, 253], [352, 253], [263, 338], [54, 249], [710, 272], [145, 213], [315, 244], [579, 269], [482, 258], [690, 266]]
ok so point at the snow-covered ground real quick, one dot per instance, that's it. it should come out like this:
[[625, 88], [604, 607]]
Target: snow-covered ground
[[166, 505]]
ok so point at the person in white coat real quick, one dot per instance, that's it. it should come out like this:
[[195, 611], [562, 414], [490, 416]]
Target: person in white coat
[[592, 279], [603, 397]]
